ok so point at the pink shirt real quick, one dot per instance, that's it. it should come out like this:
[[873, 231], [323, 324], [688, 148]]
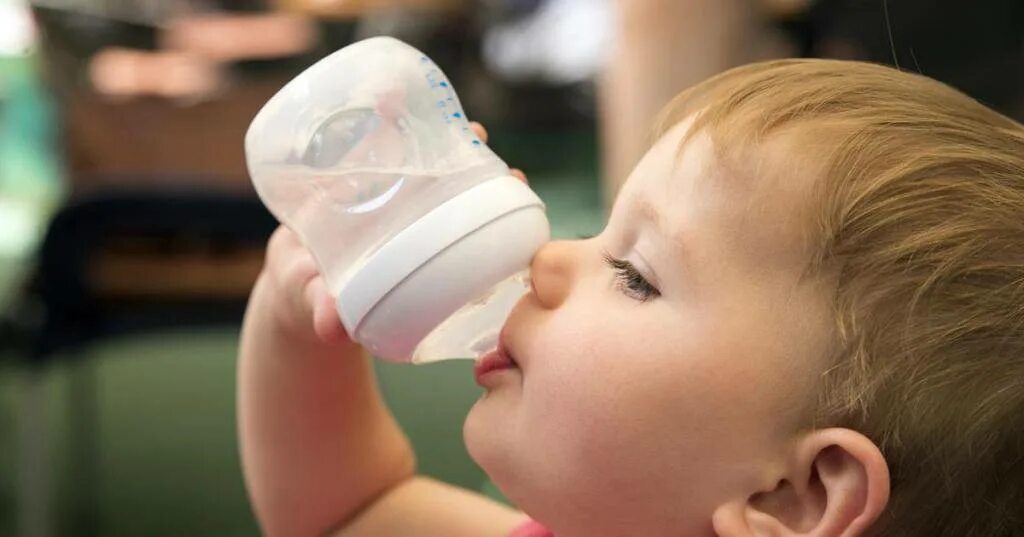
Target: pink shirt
[[531, 529]]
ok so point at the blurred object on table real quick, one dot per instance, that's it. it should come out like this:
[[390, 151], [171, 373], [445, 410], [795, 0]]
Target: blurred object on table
[[559, 42], [149, 89], [350, 9]]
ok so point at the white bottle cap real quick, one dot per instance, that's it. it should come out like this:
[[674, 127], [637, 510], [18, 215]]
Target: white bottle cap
[[444, 260]]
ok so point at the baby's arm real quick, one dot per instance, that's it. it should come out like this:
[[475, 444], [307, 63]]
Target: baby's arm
[[320, 450]]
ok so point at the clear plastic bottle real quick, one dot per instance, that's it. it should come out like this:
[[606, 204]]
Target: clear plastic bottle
[[417, 226]]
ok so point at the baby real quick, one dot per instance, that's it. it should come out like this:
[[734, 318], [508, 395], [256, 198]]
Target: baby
[[805, 317]]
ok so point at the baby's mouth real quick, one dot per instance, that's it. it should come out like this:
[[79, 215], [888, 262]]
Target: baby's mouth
[[494, 362]]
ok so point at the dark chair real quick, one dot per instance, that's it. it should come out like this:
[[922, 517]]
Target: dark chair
[[124, 261], [117, 262]]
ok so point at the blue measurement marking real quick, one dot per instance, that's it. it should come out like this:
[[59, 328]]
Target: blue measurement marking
[[446, 99]]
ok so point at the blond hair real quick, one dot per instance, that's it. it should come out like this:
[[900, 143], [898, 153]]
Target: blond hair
[[919, 220]]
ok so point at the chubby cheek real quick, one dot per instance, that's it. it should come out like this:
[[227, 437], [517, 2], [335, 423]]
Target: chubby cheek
[[590, 436], [540, 440], [624, 414], [592, 408]]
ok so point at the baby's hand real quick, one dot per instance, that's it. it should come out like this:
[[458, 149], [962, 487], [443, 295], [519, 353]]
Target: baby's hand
[[313, 424], [481, 133], [299, 294]]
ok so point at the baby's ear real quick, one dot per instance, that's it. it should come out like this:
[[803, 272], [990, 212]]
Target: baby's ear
[[836, 484]]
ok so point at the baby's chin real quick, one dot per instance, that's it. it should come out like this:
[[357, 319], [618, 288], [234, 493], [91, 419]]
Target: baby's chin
[[494, 448], [488, 431]]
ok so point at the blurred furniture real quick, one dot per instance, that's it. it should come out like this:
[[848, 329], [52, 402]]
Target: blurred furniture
[[116, 262], [131, 259], [113, 138], [162, 229], [140, 142]]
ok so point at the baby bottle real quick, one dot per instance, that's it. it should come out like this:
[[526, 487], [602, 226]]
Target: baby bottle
[[417, 227]]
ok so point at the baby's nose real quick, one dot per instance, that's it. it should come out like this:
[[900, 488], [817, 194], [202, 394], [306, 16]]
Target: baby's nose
[[552, 272]]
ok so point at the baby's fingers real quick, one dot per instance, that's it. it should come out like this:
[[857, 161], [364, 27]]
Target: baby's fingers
[[481, 133], [479, 130], [326, 322], [516, 172]]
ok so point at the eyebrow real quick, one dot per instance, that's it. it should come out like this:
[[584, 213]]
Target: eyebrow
[[651, 214], [679, 250]]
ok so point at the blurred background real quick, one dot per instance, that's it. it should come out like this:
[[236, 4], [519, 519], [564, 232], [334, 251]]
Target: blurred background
[[130, 233]]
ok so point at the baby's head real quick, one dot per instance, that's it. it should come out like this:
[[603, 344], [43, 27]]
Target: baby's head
[[810, 293]]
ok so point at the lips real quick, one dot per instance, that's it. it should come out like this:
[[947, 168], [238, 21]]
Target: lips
[[494, 362]]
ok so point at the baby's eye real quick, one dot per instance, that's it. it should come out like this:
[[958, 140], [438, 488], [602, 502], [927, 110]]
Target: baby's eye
[[630, 281]]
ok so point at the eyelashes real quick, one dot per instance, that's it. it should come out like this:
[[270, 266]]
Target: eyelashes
[[630, 281], [627, 278]]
